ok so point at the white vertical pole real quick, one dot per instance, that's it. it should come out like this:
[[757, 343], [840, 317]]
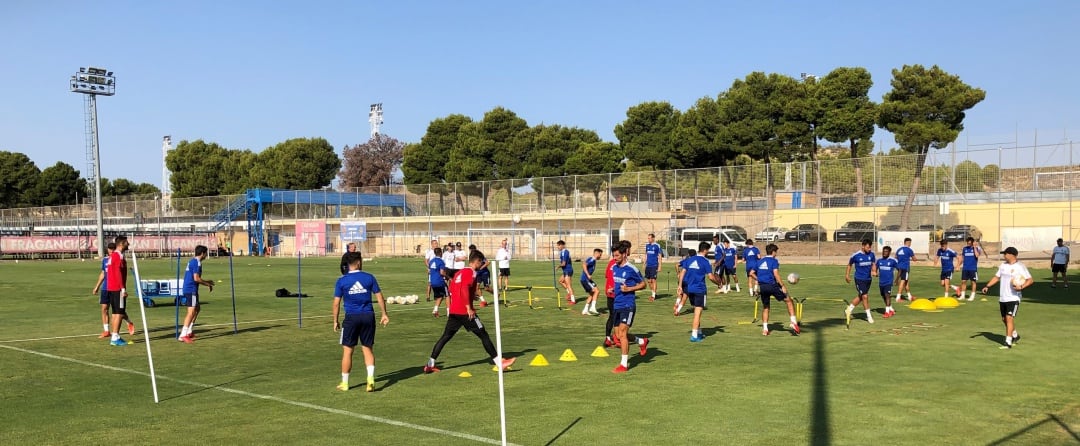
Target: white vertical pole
[[146, 330], [498, 359]]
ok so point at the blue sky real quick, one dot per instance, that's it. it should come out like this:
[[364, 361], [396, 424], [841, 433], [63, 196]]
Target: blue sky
[[251, 74]]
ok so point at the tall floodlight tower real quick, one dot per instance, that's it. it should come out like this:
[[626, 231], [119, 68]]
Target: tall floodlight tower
[[166, 189], [93, 81], [375, 118]]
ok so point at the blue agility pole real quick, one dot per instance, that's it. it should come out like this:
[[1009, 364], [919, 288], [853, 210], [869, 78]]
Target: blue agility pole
[[176, 293], [232, 289], [299, 295]]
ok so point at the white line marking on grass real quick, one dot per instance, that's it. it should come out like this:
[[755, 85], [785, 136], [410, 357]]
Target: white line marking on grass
[[361, 416], [224, 324]]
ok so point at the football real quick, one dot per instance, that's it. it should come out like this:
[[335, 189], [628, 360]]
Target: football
[[1019, 280], [793, 278]]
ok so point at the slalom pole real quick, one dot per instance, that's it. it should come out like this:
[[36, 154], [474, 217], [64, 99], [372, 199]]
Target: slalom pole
[[232, 289], [555, 283], [177, 291], [299, 292], [146, 331], [499, 357]]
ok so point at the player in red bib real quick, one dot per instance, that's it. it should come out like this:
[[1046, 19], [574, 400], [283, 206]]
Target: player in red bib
[[116, 289], [462, 314]]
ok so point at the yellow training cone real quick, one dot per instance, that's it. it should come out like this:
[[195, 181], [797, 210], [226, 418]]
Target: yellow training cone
[[495, 368], [539, 361], [946, 302], [922, 304], [568, 355], [599, 352], [464, 375]]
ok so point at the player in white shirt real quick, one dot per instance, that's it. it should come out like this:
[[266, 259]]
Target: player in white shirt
[[502, 257], [1009, 292], [1059, 261]]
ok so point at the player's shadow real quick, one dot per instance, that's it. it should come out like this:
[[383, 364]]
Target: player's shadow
[[993, 337], [227, 332], [208, 333], [212, 387], [713, 330]]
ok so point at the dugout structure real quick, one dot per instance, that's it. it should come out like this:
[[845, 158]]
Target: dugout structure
[[254, 204]]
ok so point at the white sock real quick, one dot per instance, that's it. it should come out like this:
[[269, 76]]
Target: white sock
[[625, 360], [594, 307], [345, 378], [640, 340], [888, 308], [694, 333], [435, 310], [114, 336], [1008, 340], [868, 312], [794, 321], [1014, 334], [963, 294], [431, 362], [482, 299], [654, 294], [764, 326], [371, 371], [850, 308], [105, 327], [585, 310]]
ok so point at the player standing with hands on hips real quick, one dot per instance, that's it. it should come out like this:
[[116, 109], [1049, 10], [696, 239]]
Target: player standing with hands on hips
[[1014, 277], [356, 288]]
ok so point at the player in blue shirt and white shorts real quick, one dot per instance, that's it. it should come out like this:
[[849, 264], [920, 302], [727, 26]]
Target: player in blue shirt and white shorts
[[863, 264]]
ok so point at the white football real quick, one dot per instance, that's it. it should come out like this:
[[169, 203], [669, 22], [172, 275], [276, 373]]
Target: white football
[[1019, 280], [517, 218], [793, 278]]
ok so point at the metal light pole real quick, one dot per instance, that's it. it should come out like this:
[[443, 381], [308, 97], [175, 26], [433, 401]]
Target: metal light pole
[[92, 82]]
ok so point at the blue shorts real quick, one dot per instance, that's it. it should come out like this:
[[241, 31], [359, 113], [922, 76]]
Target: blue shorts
[[650, 272], [946, 275], [886, 290], [103, 298], [568, 272], [360, 328], [863, 286], [904, 273], [483, 277], [969, 274], [771, 290], [189, 300], [438, 292], [588, 285], [697, 300], [624, 316], [729, 270]]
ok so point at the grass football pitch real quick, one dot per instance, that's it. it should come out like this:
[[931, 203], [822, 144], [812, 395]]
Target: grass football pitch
[[917, 378]]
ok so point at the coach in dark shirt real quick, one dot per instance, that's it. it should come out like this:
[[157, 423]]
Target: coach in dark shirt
[[351, 247]]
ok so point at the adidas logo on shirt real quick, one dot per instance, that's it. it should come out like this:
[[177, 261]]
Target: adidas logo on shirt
[[693, 265], [357, 288]]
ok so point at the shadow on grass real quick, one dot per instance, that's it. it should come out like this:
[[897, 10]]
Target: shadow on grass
[[565, 430], [208, 334], [998, 339], [410, 372], [713, 330], [820, 434], [228, 332], [1041, 293], [211, 387], [1050, 418]]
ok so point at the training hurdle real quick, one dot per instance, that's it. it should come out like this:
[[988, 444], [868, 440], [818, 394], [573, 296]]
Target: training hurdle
[[533, 300]]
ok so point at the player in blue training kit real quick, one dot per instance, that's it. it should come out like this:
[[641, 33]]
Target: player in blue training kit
[[192, 279], [751, 255], [692, 274], [437, 279], [587, 282], [627, 281], [863, 264], [653, 257], [718, 263], [356, 288], [566, 267], [885, 268], [767, 275], [729, 268], [969, 268], [947, 258], [904, 256]]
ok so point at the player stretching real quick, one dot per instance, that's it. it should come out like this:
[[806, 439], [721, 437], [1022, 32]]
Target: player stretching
[[627, 281], [904, 256], [566, 266], [463, 314], [884, 269], [751, 256], [116, 289], [437, 279], [356, 288], [767, 274], [609, 291], [1010, 294], [969, 269], [589, 284], [192, 279], [103, 296], [863, 263], [947, 258], [653, 257], [692, 274]]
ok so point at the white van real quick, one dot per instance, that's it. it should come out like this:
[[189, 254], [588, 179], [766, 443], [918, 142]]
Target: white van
[[689, 238]]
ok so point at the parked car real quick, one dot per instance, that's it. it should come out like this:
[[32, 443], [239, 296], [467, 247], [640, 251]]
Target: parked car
[[855, 231], [934, 230], [770, 234], [741, 230], [806, 232], [959, 233], [891, 228]]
